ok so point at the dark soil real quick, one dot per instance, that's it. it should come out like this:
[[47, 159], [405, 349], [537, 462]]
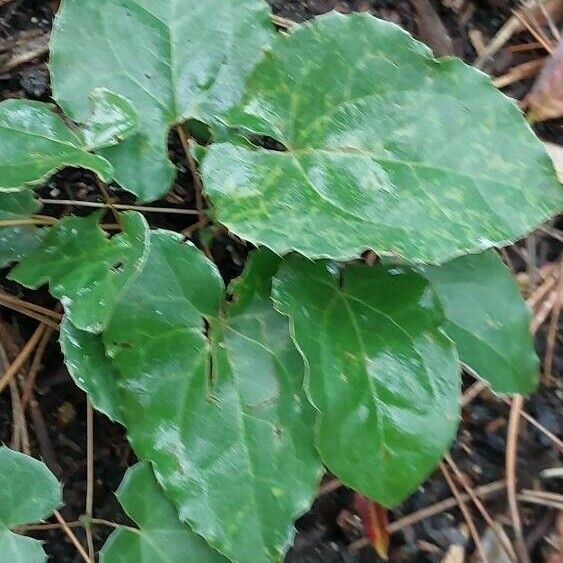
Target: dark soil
[[328, 532]]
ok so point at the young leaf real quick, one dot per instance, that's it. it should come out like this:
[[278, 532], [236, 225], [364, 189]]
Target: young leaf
[[169, 57], [112, 119], [161, 537], [222, 417], [86, 270], [385, 148], [90, 368], [18, 240], [29, 492], [35, 142], [488, 320], [382, 374]]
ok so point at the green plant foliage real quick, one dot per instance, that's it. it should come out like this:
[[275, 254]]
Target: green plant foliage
[[35, 142], [235, 397], [91, 369], [86, 270], [18, 240], [161, 537], [112, 119], [222, 417], [171, 58], [386, 148], [382, 374], [488, 320], [29, 492]]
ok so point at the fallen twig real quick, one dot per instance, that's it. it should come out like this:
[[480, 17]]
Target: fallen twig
[[552, 329], [72, 537], [466, 513], [511, 449], [482, 492], [22, 357], [120, 206], [35, 366], [480, 507], [519, 72], [89, 511]]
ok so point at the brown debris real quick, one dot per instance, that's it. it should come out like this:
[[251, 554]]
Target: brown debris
[[519, 72], [539, 12], [556, 154], [431, 29], [545, 101], [27, 46]]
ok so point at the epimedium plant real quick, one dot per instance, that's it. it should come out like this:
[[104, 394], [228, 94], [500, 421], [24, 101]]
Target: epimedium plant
[[236, 398]]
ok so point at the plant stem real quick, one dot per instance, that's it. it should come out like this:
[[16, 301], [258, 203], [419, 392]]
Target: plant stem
[[198, 186], [35, 220]]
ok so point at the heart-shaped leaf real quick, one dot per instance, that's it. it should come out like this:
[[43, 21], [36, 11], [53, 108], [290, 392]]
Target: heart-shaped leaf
[[35, 142], [169, 57], [29, 492], [17, 240], [488, 320], [90, 368], [382, 374], [161, 537], [384, 147], [221, 416], [86, 270]]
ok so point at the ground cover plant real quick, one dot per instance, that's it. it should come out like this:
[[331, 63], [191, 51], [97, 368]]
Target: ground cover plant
[[374, 219]]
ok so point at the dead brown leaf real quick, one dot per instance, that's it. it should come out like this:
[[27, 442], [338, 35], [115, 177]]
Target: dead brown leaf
[[545, 101], [455, 554], [556, 154]]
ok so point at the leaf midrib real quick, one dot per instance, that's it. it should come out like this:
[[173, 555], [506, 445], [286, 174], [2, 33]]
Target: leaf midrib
[[346, 151]]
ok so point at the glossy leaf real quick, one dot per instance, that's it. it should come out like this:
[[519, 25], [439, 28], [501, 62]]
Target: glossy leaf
[[385, 148], [18, 240], [222, 417], [169, 57], [112, 119], [86, 270], [29, 492], [382, 374], [161, 537], [90, 368], [488, 320], [35, 142]]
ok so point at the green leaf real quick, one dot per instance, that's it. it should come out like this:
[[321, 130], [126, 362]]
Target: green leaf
[[90, 368], [86, 270], [20, 549], [221, 416], [35, 142], [112, 119], [382, 374], [29, 492], [18, 240], [386, 148], [161, 537], [488, 320], [169, 57]]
